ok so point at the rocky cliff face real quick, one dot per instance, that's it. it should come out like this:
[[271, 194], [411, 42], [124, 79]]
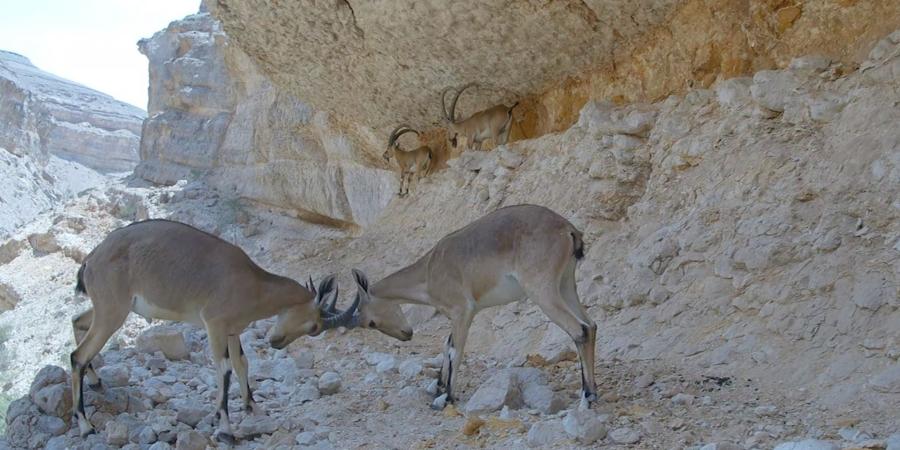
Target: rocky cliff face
[[743, 243], [742, 266], [54, 134], [384, 63], [43, 114], [214, 115]]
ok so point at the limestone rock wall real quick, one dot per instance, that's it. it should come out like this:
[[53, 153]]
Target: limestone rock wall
[[42, 114], [383, 63], [751, 229], [214, 115]]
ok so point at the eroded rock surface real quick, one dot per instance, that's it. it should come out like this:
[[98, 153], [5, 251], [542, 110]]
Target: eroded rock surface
[[213, 114], [42, 114]]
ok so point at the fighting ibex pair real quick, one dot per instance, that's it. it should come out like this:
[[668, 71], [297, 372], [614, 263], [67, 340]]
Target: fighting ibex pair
[[168, 270], [492, 123]]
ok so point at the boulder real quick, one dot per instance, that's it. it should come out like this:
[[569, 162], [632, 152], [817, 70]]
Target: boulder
[[515, 387], [190, 440], [625, 435], [545, 434], [329, 383], [808, 444], [167, 339], [585, 426]]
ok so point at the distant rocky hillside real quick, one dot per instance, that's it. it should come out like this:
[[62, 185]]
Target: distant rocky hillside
[[42, 114]]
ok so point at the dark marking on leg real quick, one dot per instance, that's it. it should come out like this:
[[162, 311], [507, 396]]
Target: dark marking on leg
[[449, 387], [241, 349], [226, 353], [226, 382]]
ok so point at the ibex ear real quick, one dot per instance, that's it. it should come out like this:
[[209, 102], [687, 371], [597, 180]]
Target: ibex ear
[[361, 280], [325, 287]]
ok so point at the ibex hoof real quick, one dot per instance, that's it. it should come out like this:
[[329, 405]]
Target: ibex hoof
[[86, 430], [98, 386], [225, 438]]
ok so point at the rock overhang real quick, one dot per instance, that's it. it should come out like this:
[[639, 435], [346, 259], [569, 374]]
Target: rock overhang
[[383, 63]]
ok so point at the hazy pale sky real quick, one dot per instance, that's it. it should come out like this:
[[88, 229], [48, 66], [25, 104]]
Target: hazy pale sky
[[92, 42]]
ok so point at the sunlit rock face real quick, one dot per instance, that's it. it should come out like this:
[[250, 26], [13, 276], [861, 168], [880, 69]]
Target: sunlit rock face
[[383, 63], [42, 115], [214, 115]]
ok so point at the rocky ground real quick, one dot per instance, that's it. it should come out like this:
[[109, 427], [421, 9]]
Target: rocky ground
[[742, 266]]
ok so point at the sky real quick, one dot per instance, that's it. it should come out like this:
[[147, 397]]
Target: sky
[[92, 42]]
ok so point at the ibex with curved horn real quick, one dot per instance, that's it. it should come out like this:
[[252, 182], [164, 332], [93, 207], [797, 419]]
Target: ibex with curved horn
[[510, 254], [417, 161], [168, 270], [494, 122]]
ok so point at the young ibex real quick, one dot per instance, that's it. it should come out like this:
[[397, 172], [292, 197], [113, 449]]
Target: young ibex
[[510, 254], [494, 122], [168, 270], [411, 162]]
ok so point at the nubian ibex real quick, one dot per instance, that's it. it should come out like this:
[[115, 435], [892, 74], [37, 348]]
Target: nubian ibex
[[167, 270], [494, 122], [417, 161], [510, 254]]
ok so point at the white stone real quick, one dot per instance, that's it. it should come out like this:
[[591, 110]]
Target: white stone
[[808, 444], [305, 438], [515, 387], [410, 368], [683, 399], [190, 440], [52, 425], [888, 380], [432, 387], [439, 402], [644, 381], [114, 375], [54, 400], [545, 433], [306, 392], [116, 433], [625, 435], [329, 383], [190, 412], [305, 360], [893, 442], [733, 92], [256, 425], [386, 365], [166, 339], [721, 446], [586, 426]]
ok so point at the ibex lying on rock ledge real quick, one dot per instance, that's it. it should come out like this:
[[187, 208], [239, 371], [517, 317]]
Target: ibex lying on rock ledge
[[494, 122], [417, 161], [508, 255], [168, 270]]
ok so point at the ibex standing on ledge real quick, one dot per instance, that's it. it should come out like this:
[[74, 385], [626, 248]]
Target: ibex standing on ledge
[[494, 122], [168, 270], [417, 161], [508, 255]]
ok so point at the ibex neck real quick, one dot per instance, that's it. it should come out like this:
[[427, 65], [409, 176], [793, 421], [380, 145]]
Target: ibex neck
[[407, 285], [280, 293]]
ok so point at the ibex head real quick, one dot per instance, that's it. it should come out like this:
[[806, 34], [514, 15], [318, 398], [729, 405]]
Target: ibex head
[[450, 114], [384, 316], [392, 140], [312, 317]]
